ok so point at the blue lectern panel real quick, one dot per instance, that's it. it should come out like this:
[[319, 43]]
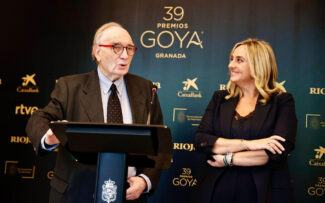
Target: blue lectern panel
[[111, 175], [106, 130]]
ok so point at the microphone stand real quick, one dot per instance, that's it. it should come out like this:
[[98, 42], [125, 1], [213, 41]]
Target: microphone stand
[[153, 90]]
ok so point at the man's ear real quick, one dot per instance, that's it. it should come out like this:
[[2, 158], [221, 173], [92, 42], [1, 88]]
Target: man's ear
[[96, 51]]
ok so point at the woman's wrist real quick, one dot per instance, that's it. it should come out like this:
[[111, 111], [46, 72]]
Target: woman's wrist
[[228, 159], [221, 160], [243, 143]]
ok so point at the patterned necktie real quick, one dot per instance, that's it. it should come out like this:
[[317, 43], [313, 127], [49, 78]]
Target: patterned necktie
[[114, 111]]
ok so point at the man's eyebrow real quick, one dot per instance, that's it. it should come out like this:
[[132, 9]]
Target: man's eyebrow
[[118, 42]]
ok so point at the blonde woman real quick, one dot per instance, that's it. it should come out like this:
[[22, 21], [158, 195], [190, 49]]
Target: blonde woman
[[247, 132]]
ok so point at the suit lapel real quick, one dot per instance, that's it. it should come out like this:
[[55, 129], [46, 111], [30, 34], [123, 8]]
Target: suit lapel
[[260, 114], [137, 99], [91, 98], [227, 110]]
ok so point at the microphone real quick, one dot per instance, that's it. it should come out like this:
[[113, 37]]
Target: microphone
[[153, 94]]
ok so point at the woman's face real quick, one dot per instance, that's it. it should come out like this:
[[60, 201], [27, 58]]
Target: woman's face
[[239, 67]]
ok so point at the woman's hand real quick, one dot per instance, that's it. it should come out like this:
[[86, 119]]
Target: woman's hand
[[218, 161], [271, 143]]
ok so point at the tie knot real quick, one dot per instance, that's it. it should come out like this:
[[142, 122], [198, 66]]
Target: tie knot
[[113, 88]]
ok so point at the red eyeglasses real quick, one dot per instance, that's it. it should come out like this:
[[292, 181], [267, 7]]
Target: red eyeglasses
[[118, 48]]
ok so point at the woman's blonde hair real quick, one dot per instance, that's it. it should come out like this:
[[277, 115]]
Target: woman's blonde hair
[[263, 69]]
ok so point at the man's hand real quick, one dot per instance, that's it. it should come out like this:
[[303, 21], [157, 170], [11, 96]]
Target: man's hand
[[50, 138], [137, 186]]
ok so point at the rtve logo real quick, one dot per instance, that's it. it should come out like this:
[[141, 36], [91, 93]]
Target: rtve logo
[[317, 90], [25, 110]]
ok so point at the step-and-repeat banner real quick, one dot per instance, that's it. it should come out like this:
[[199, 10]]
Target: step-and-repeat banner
[[183, 47]]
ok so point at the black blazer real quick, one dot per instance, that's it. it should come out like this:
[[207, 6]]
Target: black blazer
[[78, 98], [276, 117]]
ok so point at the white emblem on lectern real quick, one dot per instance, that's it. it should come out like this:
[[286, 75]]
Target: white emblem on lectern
[[109, 191]]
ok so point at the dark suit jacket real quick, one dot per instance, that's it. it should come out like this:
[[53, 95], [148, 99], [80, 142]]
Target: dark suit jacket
[[276, 117], [78, 98]]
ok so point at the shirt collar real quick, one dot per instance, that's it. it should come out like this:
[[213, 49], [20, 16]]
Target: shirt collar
[[105, 83]]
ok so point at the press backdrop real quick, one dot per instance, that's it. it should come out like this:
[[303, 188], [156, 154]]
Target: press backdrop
[[183, 47]]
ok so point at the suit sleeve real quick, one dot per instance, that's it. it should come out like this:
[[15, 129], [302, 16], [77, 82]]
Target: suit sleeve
[[205, 136], [38, 123], [285, 125]]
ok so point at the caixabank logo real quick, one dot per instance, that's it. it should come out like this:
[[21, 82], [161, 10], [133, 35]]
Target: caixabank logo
[[28, 84], [319, 159], [190, 89], [171, 35], [185, 179]]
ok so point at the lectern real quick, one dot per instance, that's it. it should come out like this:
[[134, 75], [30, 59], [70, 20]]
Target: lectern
[[119, 146]]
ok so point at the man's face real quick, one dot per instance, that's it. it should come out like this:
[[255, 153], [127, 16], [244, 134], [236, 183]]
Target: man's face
[[113, 65]]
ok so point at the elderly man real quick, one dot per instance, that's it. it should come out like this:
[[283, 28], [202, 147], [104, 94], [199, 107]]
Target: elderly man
[[88, 97]]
